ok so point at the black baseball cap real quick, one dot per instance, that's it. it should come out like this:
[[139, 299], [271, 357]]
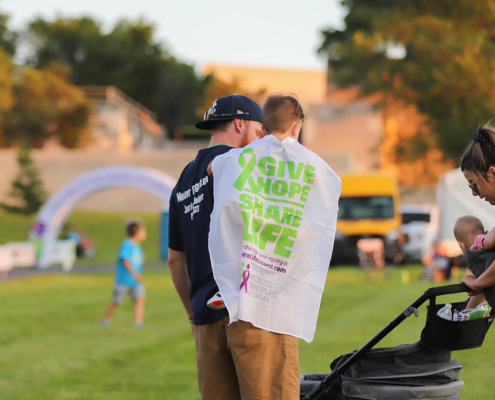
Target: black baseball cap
[[228, 108]]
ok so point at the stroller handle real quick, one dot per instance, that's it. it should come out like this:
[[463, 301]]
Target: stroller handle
[[449, 289], [334, 377]]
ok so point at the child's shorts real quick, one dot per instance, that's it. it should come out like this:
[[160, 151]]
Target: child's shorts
[[120, 291]]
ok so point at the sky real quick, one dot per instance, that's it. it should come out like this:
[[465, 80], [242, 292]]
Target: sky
[[273, 33]]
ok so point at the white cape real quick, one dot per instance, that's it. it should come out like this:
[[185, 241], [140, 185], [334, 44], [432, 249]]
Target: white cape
[[272, 231]]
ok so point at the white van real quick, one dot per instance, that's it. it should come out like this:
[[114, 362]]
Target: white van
[[419, 229]]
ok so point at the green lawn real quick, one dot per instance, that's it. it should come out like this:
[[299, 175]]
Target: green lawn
[[106, 229], [52, 347]]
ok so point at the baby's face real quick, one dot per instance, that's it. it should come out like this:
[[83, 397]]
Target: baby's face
[[464, 246]]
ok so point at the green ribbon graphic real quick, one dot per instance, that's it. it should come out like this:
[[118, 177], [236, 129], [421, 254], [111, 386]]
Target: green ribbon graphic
[[247, 169]]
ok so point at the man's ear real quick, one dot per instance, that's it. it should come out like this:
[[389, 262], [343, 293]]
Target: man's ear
[[238, 122]]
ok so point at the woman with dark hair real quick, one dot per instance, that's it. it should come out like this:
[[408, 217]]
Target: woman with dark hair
[[478, 164], [478, 167]]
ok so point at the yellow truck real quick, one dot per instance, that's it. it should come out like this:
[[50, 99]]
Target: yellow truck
[[368, 209]]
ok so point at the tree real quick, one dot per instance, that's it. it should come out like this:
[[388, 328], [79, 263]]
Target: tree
[[437, 56], [7, 49], [27, 188], [8, 38], [218, 88], [178, 95], [127, 57], [6, 95], [46, 105]]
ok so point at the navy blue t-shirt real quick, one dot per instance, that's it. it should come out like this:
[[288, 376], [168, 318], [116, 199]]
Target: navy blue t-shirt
[[191, 205]]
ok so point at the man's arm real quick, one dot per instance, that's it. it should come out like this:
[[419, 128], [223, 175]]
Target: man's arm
[[178, 271], [137, 276]]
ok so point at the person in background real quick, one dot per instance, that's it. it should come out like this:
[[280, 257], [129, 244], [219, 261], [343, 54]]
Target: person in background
[[76, 236], [128, 275]]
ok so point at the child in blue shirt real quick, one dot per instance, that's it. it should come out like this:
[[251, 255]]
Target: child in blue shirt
[[128, 275]]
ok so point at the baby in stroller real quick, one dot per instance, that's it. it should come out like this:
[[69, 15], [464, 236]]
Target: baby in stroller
[[478, 247]]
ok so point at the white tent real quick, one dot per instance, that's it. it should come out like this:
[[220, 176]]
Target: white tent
[[455, 200]]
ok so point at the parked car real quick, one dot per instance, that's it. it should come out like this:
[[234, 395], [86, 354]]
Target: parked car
[[368, 209], [419, 229]]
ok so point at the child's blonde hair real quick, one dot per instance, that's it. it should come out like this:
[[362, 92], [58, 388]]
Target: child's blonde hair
[[280, 111]]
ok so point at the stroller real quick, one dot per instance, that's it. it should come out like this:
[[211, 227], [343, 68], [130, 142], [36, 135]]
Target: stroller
[[423, 370]]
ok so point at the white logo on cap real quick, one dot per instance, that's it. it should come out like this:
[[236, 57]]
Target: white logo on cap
[[214, 106], [240, 112]]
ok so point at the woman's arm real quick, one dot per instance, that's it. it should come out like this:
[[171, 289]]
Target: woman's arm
[[489, 241], [474, 301], [486, 279]]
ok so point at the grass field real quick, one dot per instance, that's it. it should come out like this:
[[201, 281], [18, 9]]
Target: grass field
[[52, 347], [106, 229]]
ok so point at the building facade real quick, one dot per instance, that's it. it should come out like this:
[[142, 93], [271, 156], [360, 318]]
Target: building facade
[[118, 122]]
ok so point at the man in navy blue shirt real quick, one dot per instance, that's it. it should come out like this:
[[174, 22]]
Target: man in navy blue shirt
[[234, 121]]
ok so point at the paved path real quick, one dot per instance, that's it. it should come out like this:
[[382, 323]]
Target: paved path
[[78, 269]]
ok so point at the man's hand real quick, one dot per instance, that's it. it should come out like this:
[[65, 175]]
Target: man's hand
[[138, 277], [469, 280], [178, 271]]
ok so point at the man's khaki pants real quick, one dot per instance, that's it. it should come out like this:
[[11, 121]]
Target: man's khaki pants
[[241, 361]]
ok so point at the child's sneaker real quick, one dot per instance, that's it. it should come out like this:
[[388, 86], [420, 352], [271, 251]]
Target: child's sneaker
[[139, 324], [104, 323], [216, 302]]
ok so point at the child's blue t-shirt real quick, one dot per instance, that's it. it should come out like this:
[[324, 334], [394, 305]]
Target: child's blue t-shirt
[[133, 253]]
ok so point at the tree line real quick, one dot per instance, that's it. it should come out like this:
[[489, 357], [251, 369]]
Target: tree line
[[437, 56], [39, 99]]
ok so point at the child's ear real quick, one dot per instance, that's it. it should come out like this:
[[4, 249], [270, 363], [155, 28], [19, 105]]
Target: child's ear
[[295, 129], [462, 246], [265, 133]]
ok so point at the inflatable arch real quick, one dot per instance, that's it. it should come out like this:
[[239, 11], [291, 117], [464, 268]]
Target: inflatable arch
[[58, 208]]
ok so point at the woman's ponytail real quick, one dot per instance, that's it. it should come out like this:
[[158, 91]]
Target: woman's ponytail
[[480, 154]]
